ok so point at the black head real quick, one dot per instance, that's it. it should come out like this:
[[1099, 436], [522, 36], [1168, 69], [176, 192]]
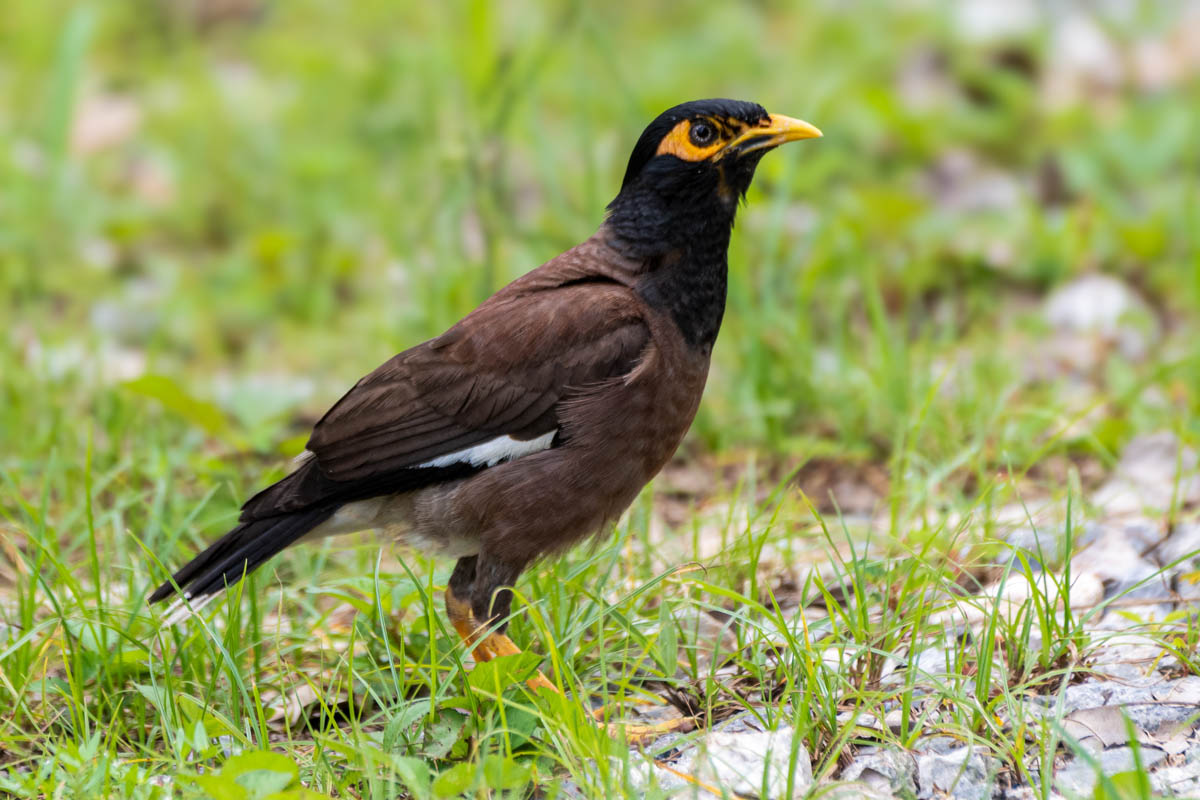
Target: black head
[[691, 166]]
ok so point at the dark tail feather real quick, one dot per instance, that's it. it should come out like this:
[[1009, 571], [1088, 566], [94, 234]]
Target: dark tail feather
[[241, 551]]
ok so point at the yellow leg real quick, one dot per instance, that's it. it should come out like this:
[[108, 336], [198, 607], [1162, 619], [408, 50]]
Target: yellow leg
[[644, 734], [641, 734], [459, 612], [490, 646], [494, 645]]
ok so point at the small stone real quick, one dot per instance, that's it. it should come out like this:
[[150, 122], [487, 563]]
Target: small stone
[[642, 776], [1155, 471], [1079, 777], [853, 791], [1178, 781], [1092, 303], [1182, 546], [1085, 63], [960, 184], [1114, 557], [1030, 793], [1108, 665], [745, 722], [986, 20], [935, 662], [967, 773], [1086, 695], [1143, 534], [1155, 705], [884, 769], [939, 744], [1185, 691], [1093, 315], [760, 764]]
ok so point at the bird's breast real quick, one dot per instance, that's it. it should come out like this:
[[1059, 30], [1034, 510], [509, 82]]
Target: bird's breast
[[614, 437]]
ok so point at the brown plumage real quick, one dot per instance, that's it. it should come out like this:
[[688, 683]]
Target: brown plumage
[[537, 419]]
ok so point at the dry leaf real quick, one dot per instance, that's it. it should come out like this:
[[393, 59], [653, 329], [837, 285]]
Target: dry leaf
[[1105, 723]]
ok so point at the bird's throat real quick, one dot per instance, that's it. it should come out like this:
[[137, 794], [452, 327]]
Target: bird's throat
[[682, 250], [691, 287]]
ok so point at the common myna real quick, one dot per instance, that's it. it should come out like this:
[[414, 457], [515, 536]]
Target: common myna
[[535, 420]]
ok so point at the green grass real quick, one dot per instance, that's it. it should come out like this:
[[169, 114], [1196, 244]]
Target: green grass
[[344, 180]]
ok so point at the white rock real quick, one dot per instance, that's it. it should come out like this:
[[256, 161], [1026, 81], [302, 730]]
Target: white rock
[[853, 791], [1079, 777], [1183, 781], [1105, 309], [1185, 691], [885, 769], [961, 184], [988, 20], [1084, 62], [755, 764], [1154, 470], [1183, 545], [1030, 793], [968, 773]]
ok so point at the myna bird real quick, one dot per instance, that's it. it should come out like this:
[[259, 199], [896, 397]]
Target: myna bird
[[535, 420]]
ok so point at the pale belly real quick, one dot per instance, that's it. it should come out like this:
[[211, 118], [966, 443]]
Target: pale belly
[[393, 517]]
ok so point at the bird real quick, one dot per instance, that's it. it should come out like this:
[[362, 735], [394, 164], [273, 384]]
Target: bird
[[534, 422]]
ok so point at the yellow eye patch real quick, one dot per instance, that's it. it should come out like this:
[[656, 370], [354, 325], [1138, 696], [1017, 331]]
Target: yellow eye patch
[[684, 143]]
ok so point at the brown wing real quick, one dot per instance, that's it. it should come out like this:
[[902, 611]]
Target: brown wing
[[503, 370]]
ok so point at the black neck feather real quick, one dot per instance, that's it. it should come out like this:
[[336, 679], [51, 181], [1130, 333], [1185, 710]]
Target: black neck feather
[[678, 225]]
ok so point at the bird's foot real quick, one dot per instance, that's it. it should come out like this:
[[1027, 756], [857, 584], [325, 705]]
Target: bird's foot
[[644, 734], [487, 647], [641, 734], [498, 644]]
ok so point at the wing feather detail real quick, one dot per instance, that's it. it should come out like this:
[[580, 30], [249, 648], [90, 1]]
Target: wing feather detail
[[489, 389]]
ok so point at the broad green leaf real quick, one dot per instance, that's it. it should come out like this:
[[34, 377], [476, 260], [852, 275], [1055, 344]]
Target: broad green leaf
[[262, 772], [455, 780], [259, 759], [262, 782], [493, 677], [442, 734], [220, 787], [414, 774], [504, 773]]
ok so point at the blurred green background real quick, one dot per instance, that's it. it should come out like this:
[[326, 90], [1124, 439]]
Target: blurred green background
[[217, 214]]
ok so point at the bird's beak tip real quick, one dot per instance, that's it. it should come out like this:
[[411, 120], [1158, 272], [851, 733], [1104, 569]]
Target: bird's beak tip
[[790, 130]]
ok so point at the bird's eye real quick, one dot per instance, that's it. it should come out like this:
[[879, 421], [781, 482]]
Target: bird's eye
[[702, 134]]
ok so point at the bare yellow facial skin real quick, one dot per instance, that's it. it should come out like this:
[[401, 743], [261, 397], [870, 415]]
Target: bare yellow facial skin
[[771, 131], [679, 142]]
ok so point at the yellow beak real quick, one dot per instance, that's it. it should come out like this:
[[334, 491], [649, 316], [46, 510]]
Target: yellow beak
[[775, 131]]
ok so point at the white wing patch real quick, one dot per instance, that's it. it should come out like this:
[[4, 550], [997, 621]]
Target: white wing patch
[[493, 451], [184, 608]]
